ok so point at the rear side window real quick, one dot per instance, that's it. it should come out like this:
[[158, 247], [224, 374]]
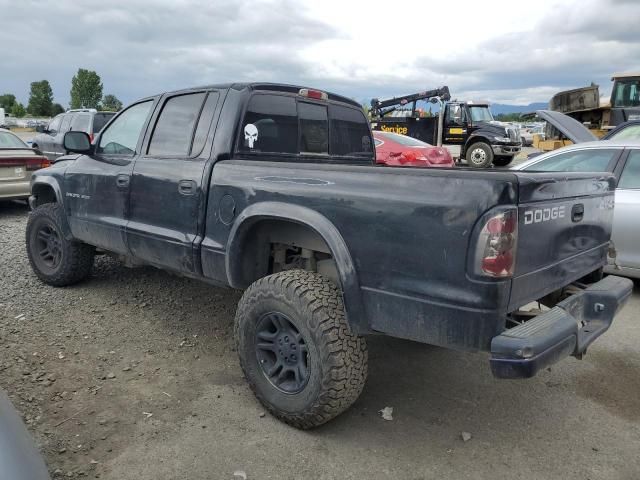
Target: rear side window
[[349, 132], [630, 178], [80, 122], [174, 129], [590, 160], [100, 120], [270, 125]]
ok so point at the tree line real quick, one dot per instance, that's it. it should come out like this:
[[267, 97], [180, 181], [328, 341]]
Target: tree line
[[86, 92]]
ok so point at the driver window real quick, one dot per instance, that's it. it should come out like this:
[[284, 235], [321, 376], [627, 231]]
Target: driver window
[[121, 138], [54, 125], [454, 114]]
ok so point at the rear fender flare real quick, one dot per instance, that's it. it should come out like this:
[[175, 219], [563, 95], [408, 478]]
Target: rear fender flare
[[322, 226]]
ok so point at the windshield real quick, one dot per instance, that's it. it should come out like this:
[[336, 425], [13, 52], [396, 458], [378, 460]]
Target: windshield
[[401, 139], [626, 93], [480, 113], [9, 140]]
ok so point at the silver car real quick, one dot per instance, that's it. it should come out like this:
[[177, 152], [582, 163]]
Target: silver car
[[622, 158]]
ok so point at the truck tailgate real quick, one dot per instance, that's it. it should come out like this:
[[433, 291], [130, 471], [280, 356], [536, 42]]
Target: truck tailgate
[[564, 227]]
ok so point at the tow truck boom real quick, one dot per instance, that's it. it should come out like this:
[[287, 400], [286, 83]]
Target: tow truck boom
[[380, 108]]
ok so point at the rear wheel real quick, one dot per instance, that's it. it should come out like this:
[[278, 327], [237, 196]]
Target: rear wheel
[[502, 161], [479, 155], [297, 350], [54, 259]]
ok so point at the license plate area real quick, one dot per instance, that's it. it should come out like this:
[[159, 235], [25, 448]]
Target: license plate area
[[12, 173]]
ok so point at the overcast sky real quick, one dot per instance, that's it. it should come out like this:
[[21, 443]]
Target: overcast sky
[[504, 51]]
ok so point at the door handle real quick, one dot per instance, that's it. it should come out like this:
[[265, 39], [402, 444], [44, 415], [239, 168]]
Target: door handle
[[577, 212], [187, 187], [122, 181]]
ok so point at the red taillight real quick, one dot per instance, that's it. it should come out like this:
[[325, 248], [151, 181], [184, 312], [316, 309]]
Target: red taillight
[[315, 94], [30, 163], [495, 253], [37, 163]]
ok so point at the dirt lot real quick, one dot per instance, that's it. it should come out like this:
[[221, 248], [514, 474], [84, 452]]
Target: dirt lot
[[132, 374]]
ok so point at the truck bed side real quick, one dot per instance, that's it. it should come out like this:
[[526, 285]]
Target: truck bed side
[[407, 233]]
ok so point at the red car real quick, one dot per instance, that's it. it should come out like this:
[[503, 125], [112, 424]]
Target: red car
[[398, 150]]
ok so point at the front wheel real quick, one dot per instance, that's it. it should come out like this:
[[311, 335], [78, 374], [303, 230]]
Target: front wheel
[[297, 350], [479, 155], [55, 259], [502, 161]]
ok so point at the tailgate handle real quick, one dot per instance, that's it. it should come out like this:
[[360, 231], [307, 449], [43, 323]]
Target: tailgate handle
[[577, 212]]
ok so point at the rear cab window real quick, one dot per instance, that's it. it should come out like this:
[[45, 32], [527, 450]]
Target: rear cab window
[[290, 125]]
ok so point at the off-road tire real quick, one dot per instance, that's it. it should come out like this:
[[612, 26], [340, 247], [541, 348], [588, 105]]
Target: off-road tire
[[337, 358], [502, 161], [473, 157], [76, 258]]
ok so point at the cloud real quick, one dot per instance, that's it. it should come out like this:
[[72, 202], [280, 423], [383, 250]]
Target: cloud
[[142, 47]]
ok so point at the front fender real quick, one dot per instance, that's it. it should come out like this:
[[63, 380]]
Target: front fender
[[50, 183], [323, 227]]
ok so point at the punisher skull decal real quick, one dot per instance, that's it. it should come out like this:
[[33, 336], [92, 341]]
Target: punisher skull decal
[[250, 134]]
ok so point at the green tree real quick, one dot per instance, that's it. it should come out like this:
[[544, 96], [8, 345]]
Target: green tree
[[40, 99], [86, 89], [18, 110], [7, 101], [57, 109], [110, 103]]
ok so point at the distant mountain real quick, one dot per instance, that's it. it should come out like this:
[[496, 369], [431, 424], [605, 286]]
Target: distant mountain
[[500, 108]]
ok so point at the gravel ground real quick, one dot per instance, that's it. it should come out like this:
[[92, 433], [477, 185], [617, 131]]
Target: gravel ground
[[133, 374]]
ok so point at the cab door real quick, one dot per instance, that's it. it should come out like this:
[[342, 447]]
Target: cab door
[[65, 126], [46, 138], [626, 223], [97, 186], [455, 124], [167, 190]]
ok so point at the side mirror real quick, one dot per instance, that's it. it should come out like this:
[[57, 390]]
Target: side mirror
[[77, 142], [40, 128]]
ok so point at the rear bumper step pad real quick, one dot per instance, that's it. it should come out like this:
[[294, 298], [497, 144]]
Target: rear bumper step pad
[[567, 329]]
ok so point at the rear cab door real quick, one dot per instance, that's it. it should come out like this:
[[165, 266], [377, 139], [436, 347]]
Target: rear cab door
[[167, 199]]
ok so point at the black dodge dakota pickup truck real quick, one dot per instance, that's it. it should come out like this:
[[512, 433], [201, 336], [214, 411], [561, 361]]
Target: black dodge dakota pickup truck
[[273, 189]]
